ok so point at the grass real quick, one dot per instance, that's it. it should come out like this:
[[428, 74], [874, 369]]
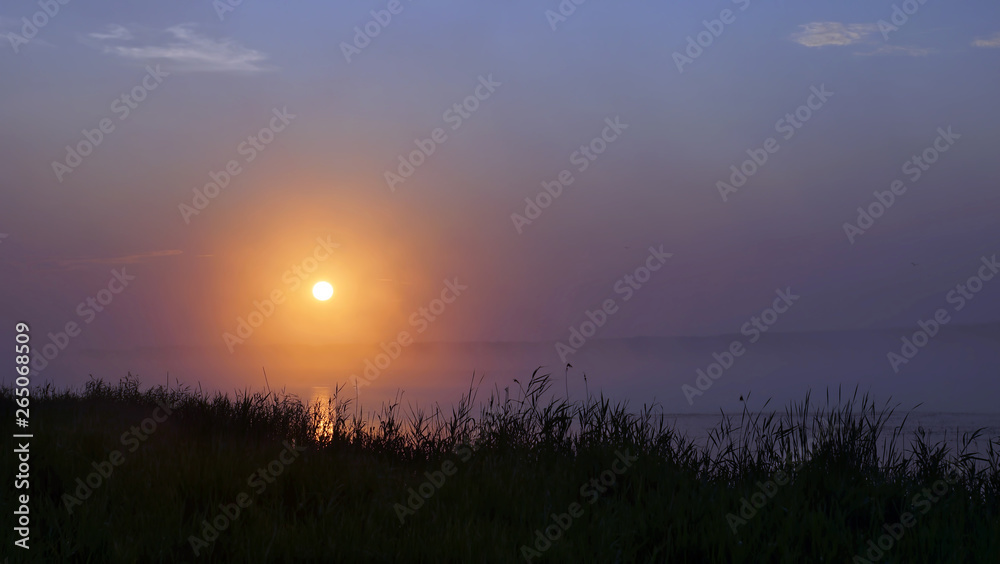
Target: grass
[[513, 463]]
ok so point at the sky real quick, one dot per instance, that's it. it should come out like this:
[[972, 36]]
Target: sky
[[390, 147]]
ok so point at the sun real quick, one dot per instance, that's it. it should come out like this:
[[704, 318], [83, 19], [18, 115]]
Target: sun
[[322, 291]]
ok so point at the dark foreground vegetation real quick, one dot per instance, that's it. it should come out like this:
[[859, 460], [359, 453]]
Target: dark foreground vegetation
[[261, 478]]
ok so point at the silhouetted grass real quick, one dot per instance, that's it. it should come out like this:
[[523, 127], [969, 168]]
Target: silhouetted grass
[[527, 458]]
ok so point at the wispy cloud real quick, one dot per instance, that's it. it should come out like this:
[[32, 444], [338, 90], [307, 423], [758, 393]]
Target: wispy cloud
[[114, 32], [12, 27], [823, 34], [184, 50], [836, 34], [907, 50], [127, 259], [988, 42]]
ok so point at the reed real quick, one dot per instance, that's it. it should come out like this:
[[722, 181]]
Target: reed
[[529, 454]]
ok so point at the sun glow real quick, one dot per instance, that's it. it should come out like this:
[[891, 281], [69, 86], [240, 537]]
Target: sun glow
[[322, 291]]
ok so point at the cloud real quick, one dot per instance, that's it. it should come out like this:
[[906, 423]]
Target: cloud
[[186, 50], [127, 259], [10, 27], [907, 50], [114, 32], [836, 34], [992, 41], [822, 34]]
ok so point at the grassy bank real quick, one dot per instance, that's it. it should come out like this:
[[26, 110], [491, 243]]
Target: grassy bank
[[491, 481]]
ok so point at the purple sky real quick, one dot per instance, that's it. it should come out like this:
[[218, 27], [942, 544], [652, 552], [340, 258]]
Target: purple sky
[[312, 120]]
